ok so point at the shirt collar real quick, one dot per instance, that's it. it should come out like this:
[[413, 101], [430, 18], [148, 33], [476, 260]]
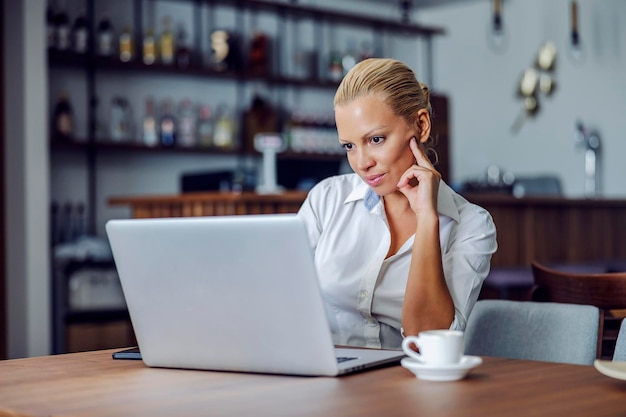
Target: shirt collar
[[445, 199]]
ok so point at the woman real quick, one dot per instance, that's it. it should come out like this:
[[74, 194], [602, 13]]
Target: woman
[[397, 251]]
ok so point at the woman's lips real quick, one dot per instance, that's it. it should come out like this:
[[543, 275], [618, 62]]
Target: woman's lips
[[374, 180]]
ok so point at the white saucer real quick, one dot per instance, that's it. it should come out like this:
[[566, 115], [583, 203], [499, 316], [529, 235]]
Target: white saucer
[[441, 372], [615, 370]]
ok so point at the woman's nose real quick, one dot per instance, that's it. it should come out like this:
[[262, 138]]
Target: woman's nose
[[363, 159]]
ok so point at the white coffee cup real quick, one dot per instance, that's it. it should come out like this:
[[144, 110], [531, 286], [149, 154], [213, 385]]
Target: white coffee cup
[[437, 347]]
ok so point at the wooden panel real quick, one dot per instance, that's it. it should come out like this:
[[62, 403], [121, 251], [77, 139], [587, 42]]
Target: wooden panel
[[93, 336], [211, 204], [555, 229], [547, 230]]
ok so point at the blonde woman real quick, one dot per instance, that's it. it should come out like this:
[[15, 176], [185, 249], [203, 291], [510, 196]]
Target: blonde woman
[[397, 250]]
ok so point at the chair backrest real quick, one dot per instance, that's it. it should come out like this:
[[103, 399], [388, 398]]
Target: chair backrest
[[620, 346], [551, 332], [607, 291]]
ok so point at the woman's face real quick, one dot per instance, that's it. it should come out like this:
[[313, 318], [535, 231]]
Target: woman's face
[[376, 142]]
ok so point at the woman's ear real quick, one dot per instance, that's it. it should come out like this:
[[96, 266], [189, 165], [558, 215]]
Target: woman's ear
[[423, 125]]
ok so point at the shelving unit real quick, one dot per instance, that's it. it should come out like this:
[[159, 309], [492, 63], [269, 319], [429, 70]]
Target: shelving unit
[[92, 65]]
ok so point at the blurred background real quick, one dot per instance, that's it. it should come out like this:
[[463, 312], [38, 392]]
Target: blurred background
[[120, 98]]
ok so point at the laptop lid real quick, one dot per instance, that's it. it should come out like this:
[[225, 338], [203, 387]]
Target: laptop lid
[[229, 293]]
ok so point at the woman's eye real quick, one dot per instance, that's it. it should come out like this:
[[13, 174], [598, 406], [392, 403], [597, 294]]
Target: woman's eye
[[347, 146], [377, 139]]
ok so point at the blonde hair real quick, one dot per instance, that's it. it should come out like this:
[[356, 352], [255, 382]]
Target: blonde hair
[[395, 83]]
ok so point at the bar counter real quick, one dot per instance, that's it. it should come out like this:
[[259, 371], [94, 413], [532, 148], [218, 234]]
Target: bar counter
[[547, 229]]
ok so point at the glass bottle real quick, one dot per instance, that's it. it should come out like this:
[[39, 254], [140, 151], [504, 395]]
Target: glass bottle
[[335, 67], [149, 135], [149, 47], [67, 219], [167, 124], [121, 120], [205, 126], [183, 51], [62, 30], [350, 57], [62, 119], [79, 225], [166, 43], [224, 134], [186, 124], [105, 37], [80, 34], [126, 45]]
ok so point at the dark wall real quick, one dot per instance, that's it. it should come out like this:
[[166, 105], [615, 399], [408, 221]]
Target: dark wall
[[3, 296]]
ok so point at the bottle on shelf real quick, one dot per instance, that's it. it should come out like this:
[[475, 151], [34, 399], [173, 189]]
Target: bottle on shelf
[[167, 124], [350, 57], [121, 122], [62, 119], [260, 117], [149, 47], [183, 51], [225, 51], [294, 131], [335, 67], [186, 124], [79, 223], [149, 135], [205, 126], [258, 55], [62, 30], [67, 219], [126, 45], [166, 43], [105, 38], [80, 34], [224, 135]]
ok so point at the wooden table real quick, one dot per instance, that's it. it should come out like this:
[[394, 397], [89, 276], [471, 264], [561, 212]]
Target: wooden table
[[93, 384]]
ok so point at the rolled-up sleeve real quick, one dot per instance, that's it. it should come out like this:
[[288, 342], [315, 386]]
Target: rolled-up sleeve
[[467, 259]]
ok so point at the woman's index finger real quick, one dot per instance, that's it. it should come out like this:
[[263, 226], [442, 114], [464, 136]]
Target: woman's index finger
[[418, 152]]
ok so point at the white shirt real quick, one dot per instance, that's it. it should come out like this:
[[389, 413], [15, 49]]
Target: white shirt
[[363, 291]]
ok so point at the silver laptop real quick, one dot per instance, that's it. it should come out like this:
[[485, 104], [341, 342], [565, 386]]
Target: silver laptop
[[229, 293]]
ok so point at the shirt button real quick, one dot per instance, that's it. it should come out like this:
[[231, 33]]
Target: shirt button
[[365, 293]]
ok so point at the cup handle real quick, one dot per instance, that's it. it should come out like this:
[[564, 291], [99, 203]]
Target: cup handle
[[407, 349]]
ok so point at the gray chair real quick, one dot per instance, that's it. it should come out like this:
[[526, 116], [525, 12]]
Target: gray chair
[[620, 346], [552, 332]]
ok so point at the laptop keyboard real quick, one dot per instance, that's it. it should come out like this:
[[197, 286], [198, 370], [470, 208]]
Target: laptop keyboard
[[341, 359]]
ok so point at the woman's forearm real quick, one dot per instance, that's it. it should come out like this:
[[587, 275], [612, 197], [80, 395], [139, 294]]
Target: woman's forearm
[[427, 300]]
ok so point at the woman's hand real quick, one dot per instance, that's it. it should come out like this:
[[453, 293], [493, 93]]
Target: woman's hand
[[420, 183]]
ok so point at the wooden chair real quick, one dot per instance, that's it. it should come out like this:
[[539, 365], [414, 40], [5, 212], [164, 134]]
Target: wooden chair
[[620, 346], [607, 291]]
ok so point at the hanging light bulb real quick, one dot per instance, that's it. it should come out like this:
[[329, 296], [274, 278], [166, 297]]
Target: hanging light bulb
[[405, 9], [496, 32], [575, 36], [575, 50]]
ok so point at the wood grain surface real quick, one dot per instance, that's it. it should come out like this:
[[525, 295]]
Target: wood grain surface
[[93, 384]]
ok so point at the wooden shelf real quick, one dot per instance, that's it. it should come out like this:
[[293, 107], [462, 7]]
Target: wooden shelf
[[109, 145], [72, 59], [80, 145], [328, 15]]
